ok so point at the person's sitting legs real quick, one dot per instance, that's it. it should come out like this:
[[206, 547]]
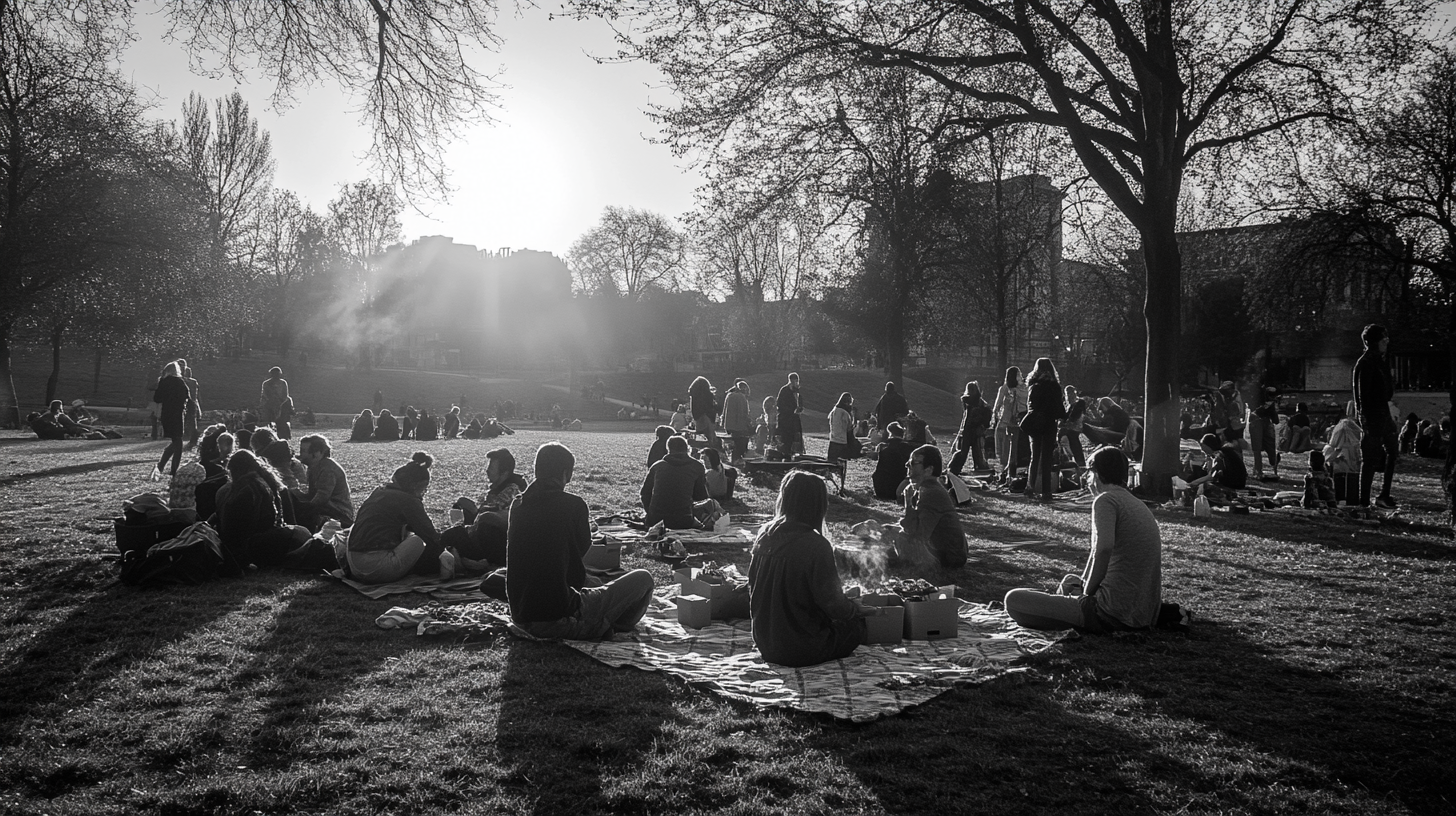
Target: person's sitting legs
[[1045, 611]]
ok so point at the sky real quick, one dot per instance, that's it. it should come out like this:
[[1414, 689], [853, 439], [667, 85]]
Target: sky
[[571, 135]]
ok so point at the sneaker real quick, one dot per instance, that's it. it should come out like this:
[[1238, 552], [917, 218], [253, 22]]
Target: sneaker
[[156, 474], [1385, 503]]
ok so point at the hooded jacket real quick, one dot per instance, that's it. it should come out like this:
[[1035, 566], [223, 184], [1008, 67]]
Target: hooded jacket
[[670, 488]]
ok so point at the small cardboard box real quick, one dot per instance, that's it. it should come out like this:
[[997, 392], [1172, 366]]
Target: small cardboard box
[[694, 611], [605, 555], [934, 618], [888, 627], [684, 574], [715, 591]]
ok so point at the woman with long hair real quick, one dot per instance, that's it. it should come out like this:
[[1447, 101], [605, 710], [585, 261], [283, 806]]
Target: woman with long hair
[[841, 428], [172, 395], [363, 427], [1006, 416], [799, 613], [392, 535], [253, 519], [1044, 410]]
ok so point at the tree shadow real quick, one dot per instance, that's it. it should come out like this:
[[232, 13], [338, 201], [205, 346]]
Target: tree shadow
[[68, 470], [1216, 695], [566, 722]]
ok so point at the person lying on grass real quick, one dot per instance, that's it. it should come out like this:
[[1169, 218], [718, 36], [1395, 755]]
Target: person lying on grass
[[1121, 586], [799, 613], [393, 536], [550, 531], [483, 536]]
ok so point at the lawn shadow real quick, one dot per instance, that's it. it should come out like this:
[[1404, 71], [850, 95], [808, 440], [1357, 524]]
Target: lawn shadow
[[103, 636], [67, 470], [566, 722]]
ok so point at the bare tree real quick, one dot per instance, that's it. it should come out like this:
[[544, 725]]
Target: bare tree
[[231, 159], [1141, 89], [627, 253], [363, 221]]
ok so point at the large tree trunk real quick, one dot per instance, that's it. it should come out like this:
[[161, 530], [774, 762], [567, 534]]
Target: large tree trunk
[[1450, 467], [9, 402], [1161, 390], [53, 382]]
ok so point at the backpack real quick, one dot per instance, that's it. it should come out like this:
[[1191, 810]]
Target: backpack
[[194, 557], [959, 491]]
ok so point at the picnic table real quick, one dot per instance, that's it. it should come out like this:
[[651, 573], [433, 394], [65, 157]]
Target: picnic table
[[823, 467]]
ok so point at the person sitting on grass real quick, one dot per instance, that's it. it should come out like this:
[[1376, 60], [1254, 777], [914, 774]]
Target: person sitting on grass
[[210, 462], [473, 430], [799, 614], [483, 536], [70, 426], [452, 423], [719, 478], [894, 454], [929, 528], [363, 427], [327, 496], [550, 531], [1120, 588], [386, 429], [393, 536], [673, 486], [254, 520], [44, 426], [1319, 485], [428, 430], [1224, 473], [659, 445]]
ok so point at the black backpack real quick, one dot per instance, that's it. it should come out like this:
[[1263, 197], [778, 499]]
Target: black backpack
[[194, 557]]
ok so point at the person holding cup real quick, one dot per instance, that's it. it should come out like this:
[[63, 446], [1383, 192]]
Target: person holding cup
[[479, 534]]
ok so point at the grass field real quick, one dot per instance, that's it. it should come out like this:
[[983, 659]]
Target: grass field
[[1318, 678]]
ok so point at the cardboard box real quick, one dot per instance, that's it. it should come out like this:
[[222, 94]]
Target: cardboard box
[[684, 574], [694, 611], [935, 618], [716, 592], [887, 628], [603, 556]]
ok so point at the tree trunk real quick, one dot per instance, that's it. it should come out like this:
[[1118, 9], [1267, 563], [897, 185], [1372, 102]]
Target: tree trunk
[[54, 380], [1161, 390], [96, 371], [9, 402], [1446, 472]]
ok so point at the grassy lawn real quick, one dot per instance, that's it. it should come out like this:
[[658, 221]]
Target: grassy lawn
[[1318, 677]]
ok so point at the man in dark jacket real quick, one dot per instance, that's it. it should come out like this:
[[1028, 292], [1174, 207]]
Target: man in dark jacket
[[791, 432], [1374, 390], [891, 407], [893, 455], [545, 578], [672, 486]]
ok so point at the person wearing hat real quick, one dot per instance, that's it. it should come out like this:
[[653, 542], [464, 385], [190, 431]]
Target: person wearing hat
[[1374, 389], [1263, 418], [392, 535], [69, 426], [272, 396]]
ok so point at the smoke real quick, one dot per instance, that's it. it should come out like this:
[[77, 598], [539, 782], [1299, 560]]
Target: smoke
[[861, 555]]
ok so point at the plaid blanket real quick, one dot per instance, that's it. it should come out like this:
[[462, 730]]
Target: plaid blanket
[[875, 681]]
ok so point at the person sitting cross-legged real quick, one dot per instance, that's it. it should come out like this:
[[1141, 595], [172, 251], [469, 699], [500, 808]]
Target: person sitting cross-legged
[[1121, 586], [929, 525], [483, 536], [672, 487], [550, 531], [1224, 473], [392, 535], [327, 496]]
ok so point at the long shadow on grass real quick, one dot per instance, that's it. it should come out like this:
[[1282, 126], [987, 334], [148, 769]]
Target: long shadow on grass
[[1194, 706], [566, 721], [89, 467], [103, 636]]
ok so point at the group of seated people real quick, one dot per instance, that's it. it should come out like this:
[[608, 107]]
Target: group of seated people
[[421, 426], [698, 475], [1424, 437], [72, 423]]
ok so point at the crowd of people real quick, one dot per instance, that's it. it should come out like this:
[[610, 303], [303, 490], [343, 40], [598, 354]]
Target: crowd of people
[[422, 426]]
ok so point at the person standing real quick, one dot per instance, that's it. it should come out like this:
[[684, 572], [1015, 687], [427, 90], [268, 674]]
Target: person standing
[[841, 429], [272, 396], [1374, 389], [1006, 418], [1263, 419], [1228, 412], [736, 420], [194, 406], [1072, 425], [892, 407], [790, 429], [703, 407], [172, 395], [1045, 410], [970, 438]]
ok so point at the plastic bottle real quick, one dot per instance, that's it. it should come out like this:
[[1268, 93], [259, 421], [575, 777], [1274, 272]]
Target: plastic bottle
[[1200, 505]]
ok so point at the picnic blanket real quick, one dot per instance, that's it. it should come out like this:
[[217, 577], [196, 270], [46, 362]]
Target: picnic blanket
[[875, 681], [456, 589]]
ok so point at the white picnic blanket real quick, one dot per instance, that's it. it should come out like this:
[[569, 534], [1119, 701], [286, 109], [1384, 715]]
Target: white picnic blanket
[[875, 681]]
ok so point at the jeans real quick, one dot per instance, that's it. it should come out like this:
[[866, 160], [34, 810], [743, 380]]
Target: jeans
[[704, 425], [969, 445], [1053, 613], [411, 556], [1007, 441], [1040, 476], [1378, 451], [612, 607]]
